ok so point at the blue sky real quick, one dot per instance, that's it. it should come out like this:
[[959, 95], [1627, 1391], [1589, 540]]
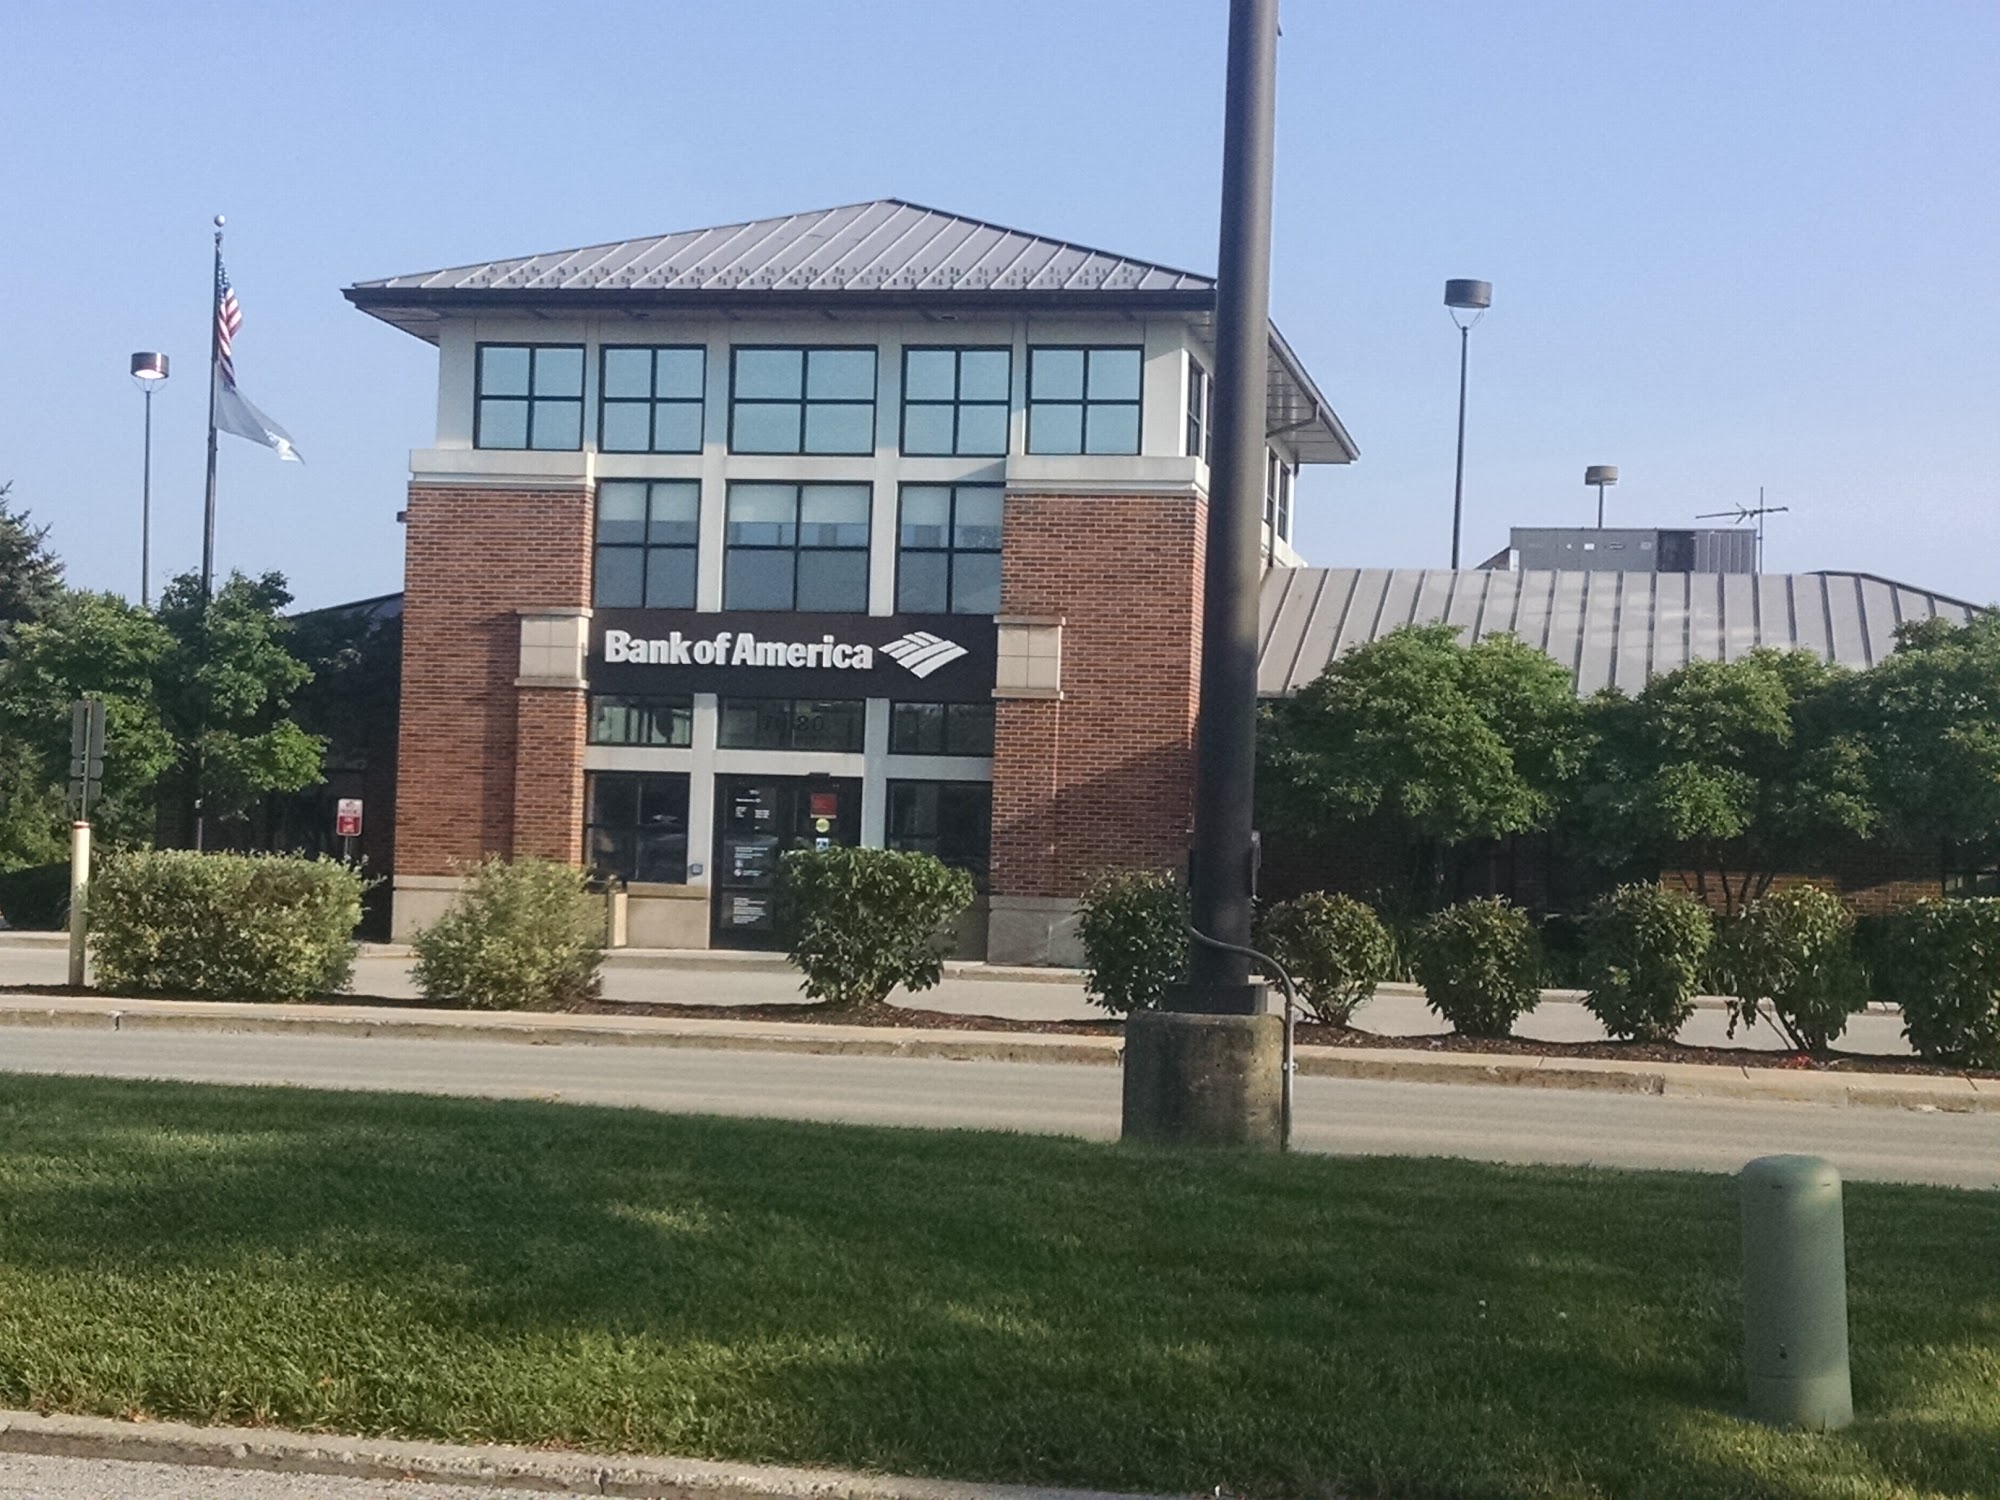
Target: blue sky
[[1732, 244]]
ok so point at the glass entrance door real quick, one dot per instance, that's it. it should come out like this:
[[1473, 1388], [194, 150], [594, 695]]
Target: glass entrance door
[[757, 818]]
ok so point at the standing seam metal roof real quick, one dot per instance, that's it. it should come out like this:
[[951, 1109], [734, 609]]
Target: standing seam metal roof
[[1607, 629]]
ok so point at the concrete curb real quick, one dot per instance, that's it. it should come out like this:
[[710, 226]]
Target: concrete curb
[[268, 1450], [1954, 1093]]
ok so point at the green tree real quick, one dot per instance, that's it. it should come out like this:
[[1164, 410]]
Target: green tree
[[30, 575], [1734, 770], [1462, 741], [30, 584]]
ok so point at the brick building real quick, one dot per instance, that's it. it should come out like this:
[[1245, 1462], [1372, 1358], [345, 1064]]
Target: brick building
[[874, 525]]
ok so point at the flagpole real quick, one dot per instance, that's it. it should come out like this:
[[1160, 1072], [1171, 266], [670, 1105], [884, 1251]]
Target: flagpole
[[214, 374]]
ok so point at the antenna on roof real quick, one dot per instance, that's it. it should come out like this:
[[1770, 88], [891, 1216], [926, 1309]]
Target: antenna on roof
[[1744, 513]]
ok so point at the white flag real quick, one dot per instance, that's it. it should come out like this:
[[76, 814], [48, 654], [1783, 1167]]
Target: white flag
[[234, 413]]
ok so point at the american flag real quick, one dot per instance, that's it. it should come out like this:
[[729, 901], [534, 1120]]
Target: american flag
[[228, 318]]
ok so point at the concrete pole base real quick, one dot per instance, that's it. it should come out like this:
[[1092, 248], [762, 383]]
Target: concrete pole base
[[1199, 1080]]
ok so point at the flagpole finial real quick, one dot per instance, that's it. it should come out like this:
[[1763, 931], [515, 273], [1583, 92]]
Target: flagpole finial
[[218, 221]]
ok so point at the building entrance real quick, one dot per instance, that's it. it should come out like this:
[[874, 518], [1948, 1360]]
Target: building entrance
[[758, 818]]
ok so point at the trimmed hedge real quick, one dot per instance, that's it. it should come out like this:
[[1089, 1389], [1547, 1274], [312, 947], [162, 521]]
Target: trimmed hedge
[[1133, 928], [524, 935], [1335, 949], [1480, 966], [1643, 951], [226, 926], [1946, 976], [863, 921], [1794, 951]]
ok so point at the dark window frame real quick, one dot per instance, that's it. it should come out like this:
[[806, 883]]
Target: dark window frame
[[950, 551], [593, 781], [1085, 402], [955, 716], [1279, 478], [675, 710], [530, 398], [797, 547], [805, 402], [958, 402], [654, 401], [792, 715], [646, 547], [1201, 408]]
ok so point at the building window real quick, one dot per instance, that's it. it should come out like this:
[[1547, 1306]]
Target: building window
[[1083, 400], [791, 724], [619, 719], [1201, 409], [952, 820], [1277, 496], [802, 400], [636, 825], [646, 533], [528, 396], [941, 728], [948, 550], [955, 400], [797, 546], [650, 399]]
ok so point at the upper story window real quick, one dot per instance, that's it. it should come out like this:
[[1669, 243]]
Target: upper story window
[[620, 719], [791, 724], [941, 728], [1201, 409], [528, 396], [955, 400], [948, 550], [650, 399], [1083, 400], [1277, 496], [646, 535], [797, 546], [800, 400]]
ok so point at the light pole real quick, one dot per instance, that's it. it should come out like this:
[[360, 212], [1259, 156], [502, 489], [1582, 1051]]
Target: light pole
[[149, 372], [1473, 297], [1601, 475]]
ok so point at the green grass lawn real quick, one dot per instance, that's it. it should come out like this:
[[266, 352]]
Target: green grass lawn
[[956, 1304]]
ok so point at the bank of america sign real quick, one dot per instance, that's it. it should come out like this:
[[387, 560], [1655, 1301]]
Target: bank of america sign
[[920, 652]]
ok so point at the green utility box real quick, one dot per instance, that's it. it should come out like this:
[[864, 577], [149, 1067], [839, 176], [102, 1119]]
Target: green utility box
[[1795, 1294]]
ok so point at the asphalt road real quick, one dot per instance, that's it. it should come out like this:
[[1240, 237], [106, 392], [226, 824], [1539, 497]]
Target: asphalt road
[[27, 1476], [1340, 1116]]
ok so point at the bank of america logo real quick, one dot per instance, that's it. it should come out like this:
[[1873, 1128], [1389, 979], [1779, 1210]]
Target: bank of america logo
[[923, 653]]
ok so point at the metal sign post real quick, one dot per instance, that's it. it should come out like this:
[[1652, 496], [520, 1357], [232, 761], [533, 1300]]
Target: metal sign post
[[86, 783]]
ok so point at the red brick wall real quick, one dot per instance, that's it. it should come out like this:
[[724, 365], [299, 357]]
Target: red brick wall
[[474, 557], [1102, 777]]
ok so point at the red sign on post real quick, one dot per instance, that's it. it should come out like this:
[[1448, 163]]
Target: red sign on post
[[347, 818]]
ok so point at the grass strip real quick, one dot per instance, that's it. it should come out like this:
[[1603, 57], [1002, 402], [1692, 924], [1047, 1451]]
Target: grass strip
[[957, 1304]]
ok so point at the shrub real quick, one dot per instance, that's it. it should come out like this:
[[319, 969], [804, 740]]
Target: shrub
[[1335, 949], [229, 926], [35, 899], [1946, 976], [1642, 961], [1133, 927], [521, 936], [1793, 950], [863, 921], [1480, 966]]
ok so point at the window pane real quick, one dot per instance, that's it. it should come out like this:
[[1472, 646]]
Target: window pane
[[840, 374], [663, 801], [770, 372], [613, 798], [625, 427], [610, 852], [765, 429], [975, 583], [559, 372], [677, 427], [969, 728], [840, 429], [833, 581], [619, 577], [916, 728], [982, 429], [1055, 429], [621, 511], [820, 725], [610, 721], [503, 424], [670, 578], [1055, 374], [757, 580], [763, 515], [927, 375], [982, 375], [752, 724], [926, 515], [558, 424], [628, 372], [833, 515], [927, 429], [503, 370], [976, 521], [1112, 429], [676, 510], [913, 815], [678, 372], [1114, 375], [920, 583]]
